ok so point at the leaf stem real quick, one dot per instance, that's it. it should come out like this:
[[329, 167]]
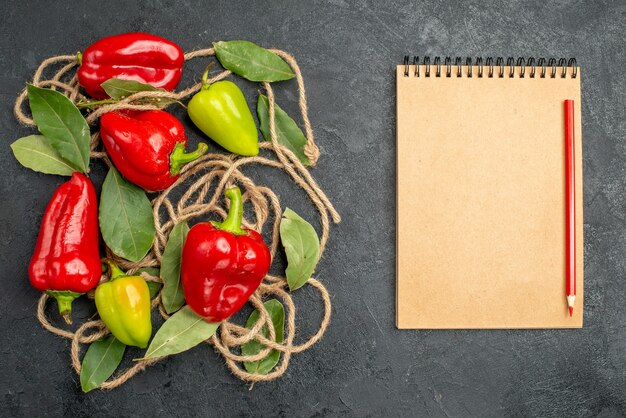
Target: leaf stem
[[82, 105]]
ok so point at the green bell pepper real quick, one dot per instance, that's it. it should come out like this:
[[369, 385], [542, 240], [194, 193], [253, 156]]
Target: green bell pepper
[[221, 112], [124, 305]]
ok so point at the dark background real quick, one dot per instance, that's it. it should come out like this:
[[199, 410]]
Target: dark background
[[363, 366]]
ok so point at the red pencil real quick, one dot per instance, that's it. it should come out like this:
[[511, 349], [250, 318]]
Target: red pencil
[[570, 214]]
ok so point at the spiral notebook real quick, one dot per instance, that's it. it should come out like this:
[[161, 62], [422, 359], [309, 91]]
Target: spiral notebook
[[481, 193]]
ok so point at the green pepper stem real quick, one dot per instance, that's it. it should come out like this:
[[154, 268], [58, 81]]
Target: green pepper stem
[[232, 223], [79, 57], [64, 301], [205, 76], [114, 270], [179, 157]]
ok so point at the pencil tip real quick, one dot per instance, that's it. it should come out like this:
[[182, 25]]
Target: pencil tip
[[571, 310]]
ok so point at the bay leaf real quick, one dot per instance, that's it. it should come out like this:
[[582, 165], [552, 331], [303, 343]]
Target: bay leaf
[[302, 247], [126, 221], [154, 288], [119, 89], [100, 361], [182, 331], [172, 296], [277, 313], [288, 132], [251, 61], [60, 121], [36, 153]]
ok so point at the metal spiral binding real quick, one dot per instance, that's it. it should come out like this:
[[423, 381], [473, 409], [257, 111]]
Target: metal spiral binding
[[521, 67]]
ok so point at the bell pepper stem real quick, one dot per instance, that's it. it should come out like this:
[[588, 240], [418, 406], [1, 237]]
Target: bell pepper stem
[[179, 157], [79, 57], [232, 223], [114, 270], [205, 76], [64, 301]]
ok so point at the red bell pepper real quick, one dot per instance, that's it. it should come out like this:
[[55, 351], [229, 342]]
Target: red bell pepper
[[147, 147], [135, 56], [223, 264], [66, 262]]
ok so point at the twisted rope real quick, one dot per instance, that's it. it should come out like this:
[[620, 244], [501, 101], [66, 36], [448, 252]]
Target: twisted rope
[[202, 183]]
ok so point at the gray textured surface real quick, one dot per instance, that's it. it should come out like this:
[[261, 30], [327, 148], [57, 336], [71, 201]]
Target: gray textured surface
[[364, 366]]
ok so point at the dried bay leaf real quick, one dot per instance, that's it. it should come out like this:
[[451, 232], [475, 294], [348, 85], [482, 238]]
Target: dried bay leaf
[[172, 296], [264, 366], [100, 361], [288, 132], [302, 247], [251, 61], [36, 153], [182, 331], [119, 89], [60, 121], [125, 216]]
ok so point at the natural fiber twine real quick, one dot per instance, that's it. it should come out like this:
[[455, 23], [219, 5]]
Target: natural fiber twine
[[202, 183]]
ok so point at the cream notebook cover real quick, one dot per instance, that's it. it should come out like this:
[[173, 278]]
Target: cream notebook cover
[[481, 195]]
